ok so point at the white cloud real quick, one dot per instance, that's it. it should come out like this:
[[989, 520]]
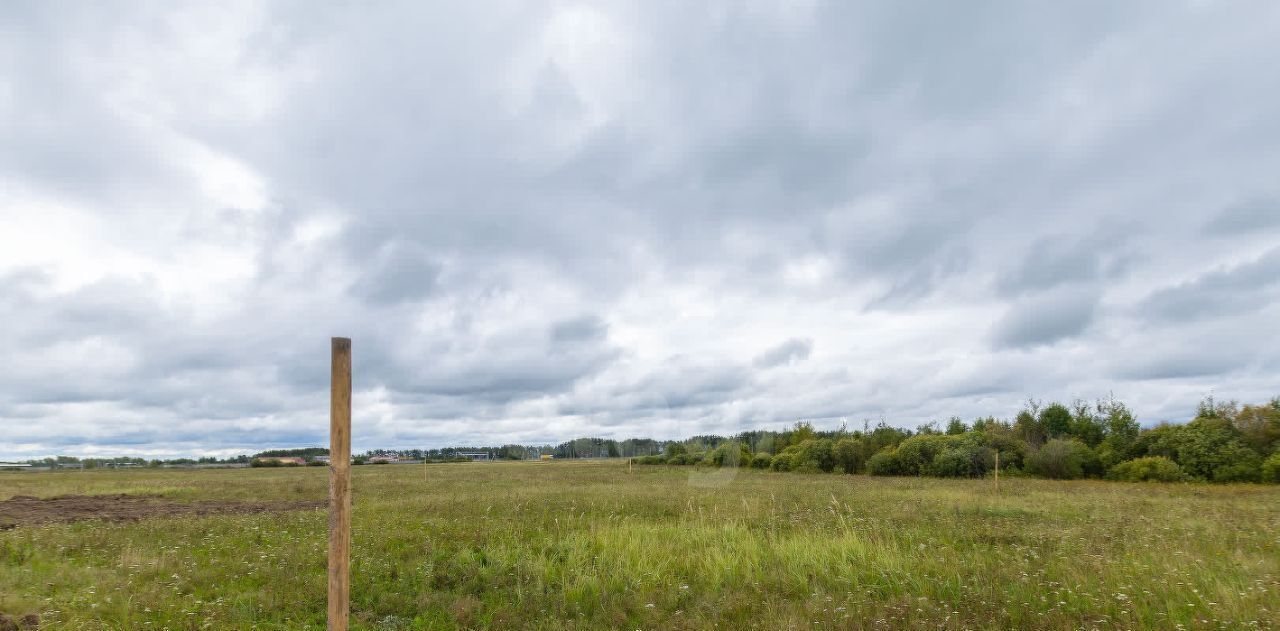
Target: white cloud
[[607, 219]]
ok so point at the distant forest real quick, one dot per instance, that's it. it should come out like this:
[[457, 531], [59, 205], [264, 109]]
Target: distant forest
[[1223, 442]]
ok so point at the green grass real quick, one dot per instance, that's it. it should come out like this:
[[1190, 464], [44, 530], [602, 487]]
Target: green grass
[[589, 545]]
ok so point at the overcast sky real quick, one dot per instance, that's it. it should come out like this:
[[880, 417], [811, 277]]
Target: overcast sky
[[541, 221]]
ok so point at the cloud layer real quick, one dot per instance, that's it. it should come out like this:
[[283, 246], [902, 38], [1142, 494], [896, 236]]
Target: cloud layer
[[539, 222]]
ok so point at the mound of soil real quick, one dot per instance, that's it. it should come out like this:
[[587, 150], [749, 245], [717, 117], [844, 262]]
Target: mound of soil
[[21, 510]]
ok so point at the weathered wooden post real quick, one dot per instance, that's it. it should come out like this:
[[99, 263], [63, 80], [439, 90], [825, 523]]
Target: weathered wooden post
[[997, 472], [340, 486]]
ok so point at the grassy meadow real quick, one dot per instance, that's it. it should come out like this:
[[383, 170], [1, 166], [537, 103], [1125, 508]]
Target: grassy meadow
[[590, 545]]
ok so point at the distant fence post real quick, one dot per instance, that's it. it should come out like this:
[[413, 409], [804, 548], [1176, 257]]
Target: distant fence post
[[340, 486], [997, 472]]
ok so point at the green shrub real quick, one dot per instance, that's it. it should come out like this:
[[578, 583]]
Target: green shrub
[[1248, 470], [848, 453], [1148, 469], [1060, 459], [1013, 451], [761, 461], [967, 460], [816, 451], [1271, 469], [781, 462], [1202, 448], [730, 454], [884, 462], [916, 454]]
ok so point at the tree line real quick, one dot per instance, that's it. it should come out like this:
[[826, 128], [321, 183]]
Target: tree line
[[1224, 442]]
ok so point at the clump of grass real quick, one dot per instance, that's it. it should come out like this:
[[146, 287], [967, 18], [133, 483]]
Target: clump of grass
[[587, 545]]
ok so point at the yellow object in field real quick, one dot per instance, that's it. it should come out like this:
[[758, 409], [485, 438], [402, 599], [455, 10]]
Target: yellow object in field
[[546, 457]]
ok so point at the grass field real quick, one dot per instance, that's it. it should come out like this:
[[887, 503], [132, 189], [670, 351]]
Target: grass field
[[589, 545]]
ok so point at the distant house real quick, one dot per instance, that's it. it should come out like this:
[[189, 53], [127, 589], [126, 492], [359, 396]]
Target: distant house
[[324, 459], [14, 465], [388, 459], [474, 455]]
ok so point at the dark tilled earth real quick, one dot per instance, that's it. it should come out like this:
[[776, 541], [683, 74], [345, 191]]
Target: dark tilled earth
[[21, 510]]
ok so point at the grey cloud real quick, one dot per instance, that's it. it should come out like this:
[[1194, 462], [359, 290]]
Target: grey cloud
[[1221, 292], [793, 350], [1178, 363], [1045, 319], [1060, 259], [495, 207], [1246, 216], [398, 272], [683, 382], [583, 329]]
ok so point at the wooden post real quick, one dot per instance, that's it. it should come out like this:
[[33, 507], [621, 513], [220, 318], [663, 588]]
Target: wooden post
[[997, 472], [340, 486]]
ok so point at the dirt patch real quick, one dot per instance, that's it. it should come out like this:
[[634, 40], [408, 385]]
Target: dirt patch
[[22, 510]]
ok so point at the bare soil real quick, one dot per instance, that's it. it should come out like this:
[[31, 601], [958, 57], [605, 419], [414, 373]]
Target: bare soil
[[21, 510]]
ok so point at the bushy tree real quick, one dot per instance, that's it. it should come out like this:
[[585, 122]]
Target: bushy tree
[[1244, 470], [955, 426], [1121, 438], [1259, 426], [1147, 469], [981, 425], [1207, 448], [1085, 425], [815, 453], [915, 455], [761, 461], [1214, 409], [802, 432], [849, 455], [885, 462], [883, 436], [1271, 469], [1056, 420], [781, 462], [675, 449], [1060, 459], [730, 454], [1012, 450], [968, 459], [1027, 425]]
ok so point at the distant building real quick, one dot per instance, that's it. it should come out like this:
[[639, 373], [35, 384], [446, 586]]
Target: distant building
[[14, 465], [474, 455], [388, 459], [546, 457]]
